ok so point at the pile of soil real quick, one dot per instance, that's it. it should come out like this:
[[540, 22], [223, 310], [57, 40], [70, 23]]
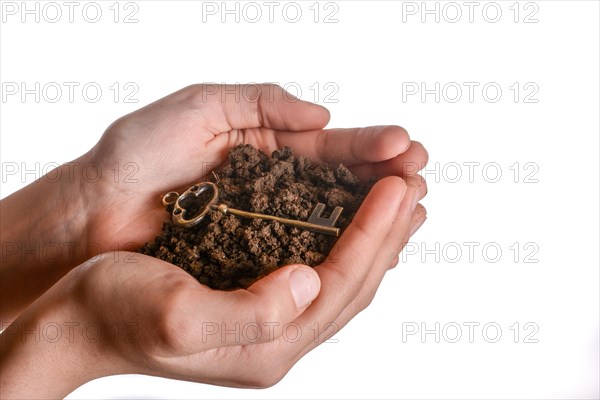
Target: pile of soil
[[229, 252]]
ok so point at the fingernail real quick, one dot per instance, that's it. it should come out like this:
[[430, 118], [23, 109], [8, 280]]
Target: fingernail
[[416, 226], [415, 200], [304, 285]]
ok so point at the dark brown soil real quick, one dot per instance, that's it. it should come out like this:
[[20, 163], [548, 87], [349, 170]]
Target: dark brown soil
[[230, 252]]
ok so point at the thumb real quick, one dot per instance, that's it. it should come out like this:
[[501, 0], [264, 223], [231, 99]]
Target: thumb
[[298, 285], [254, 106], [259, 314]]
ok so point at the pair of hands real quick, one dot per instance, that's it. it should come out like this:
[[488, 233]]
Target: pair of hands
[[129, 313]]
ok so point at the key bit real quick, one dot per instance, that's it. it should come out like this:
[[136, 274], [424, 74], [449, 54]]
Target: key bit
[[315, 217]]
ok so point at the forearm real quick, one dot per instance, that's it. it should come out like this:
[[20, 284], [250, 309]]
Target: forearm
[[43, 236]]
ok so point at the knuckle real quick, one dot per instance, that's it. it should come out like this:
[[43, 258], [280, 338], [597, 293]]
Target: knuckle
[[266, 379], [365, 301], [119, 124], [190, 91], [349, 282], [172, 327], [196, 94], [260, 309], [266, 312], [199, 94], [272, 88]]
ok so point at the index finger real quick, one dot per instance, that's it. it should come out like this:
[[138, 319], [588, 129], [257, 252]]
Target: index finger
[[349, 146]]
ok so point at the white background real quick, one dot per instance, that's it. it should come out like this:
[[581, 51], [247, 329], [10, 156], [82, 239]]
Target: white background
[[367, 62]]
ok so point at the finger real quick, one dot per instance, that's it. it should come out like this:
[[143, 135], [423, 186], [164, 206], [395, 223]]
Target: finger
[[322, 318], [418, 219], [406, 164], [381, 266], [399, 234], [231, 107], [343, 275], [369, 290], [348, 146], [410, 217], [374, 279], [215, 318], [364, 239], [395, 240], [327, 329]]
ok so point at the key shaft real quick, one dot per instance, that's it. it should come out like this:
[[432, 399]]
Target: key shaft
[[328, 230]]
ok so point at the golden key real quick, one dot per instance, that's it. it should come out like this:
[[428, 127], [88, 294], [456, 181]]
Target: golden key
[[315, 222]]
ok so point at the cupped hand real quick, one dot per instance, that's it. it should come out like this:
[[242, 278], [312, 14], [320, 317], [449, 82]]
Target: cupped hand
[[172, 143], [151, 317]]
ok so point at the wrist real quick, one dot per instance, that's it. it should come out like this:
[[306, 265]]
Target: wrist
[[52, 348], [44, 234], [41, 222]]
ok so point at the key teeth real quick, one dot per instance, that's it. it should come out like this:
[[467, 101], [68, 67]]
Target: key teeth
[[335, 214], [316, 214], [315, 217]]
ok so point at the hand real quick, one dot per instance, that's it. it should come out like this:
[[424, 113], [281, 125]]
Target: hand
[[173, 142], [168, 145], [169, 325]]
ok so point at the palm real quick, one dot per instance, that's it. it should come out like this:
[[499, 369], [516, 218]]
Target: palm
[[173, 339], [135, 213], [163, 291], [177, 140]]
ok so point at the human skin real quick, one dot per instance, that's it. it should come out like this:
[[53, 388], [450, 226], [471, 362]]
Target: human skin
[[154, 305]]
